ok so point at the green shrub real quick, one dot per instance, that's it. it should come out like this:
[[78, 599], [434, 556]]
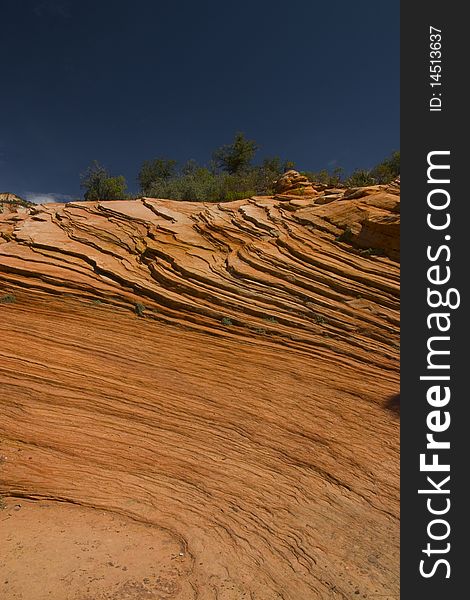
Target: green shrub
[[230, 176], [326, 177], [99, 185], [360, 178], [387, 170], [236, 157], [7, 299], [139, 309], [271, 319], [382, 173], [203, 184], [158, 169]]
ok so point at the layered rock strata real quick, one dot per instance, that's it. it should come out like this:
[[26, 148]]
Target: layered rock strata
[[224, 375]]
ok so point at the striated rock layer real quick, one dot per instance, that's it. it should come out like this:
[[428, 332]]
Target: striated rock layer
[[223, 375]]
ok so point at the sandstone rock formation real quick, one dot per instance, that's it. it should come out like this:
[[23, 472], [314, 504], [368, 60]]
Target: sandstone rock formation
[[292, 181], [209, 387], [12, 203], [8, 197]]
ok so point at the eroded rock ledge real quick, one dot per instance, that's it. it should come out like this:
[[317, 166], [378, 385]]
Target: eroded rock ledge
[[298, 269], [225, 373]]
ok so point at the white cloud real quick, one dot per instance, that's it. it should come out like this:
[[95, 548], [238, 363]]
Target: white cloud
[[46, 197]]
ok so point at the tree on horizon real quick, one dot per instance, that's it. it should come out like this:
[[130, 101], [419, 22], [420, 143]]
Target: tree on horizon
[[236, 157], [152, 171], [100, 185]]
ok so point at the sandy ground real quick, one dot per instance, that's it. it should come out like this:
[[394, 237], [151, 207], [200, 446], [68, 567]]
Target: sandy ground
[[52, 551]]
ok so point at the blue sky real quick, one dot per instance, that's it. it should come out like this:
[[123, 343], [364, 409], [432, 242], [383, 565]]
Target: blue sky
[[125, 81]]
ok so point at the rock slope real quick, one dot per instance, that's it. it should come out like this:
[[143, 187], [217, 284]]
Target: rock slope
[[224, 375]]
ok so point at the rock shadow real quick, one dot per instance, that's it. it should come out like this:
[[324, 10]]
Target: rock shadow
[[393, 404]]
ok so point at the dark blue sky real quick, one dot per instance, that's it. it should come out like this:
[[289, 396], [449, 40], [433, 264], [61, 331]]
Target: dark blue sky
[[123, 81]]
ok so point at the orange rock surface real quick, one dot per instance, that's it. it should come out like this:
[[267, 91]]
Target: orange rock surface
[[217, 383]]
